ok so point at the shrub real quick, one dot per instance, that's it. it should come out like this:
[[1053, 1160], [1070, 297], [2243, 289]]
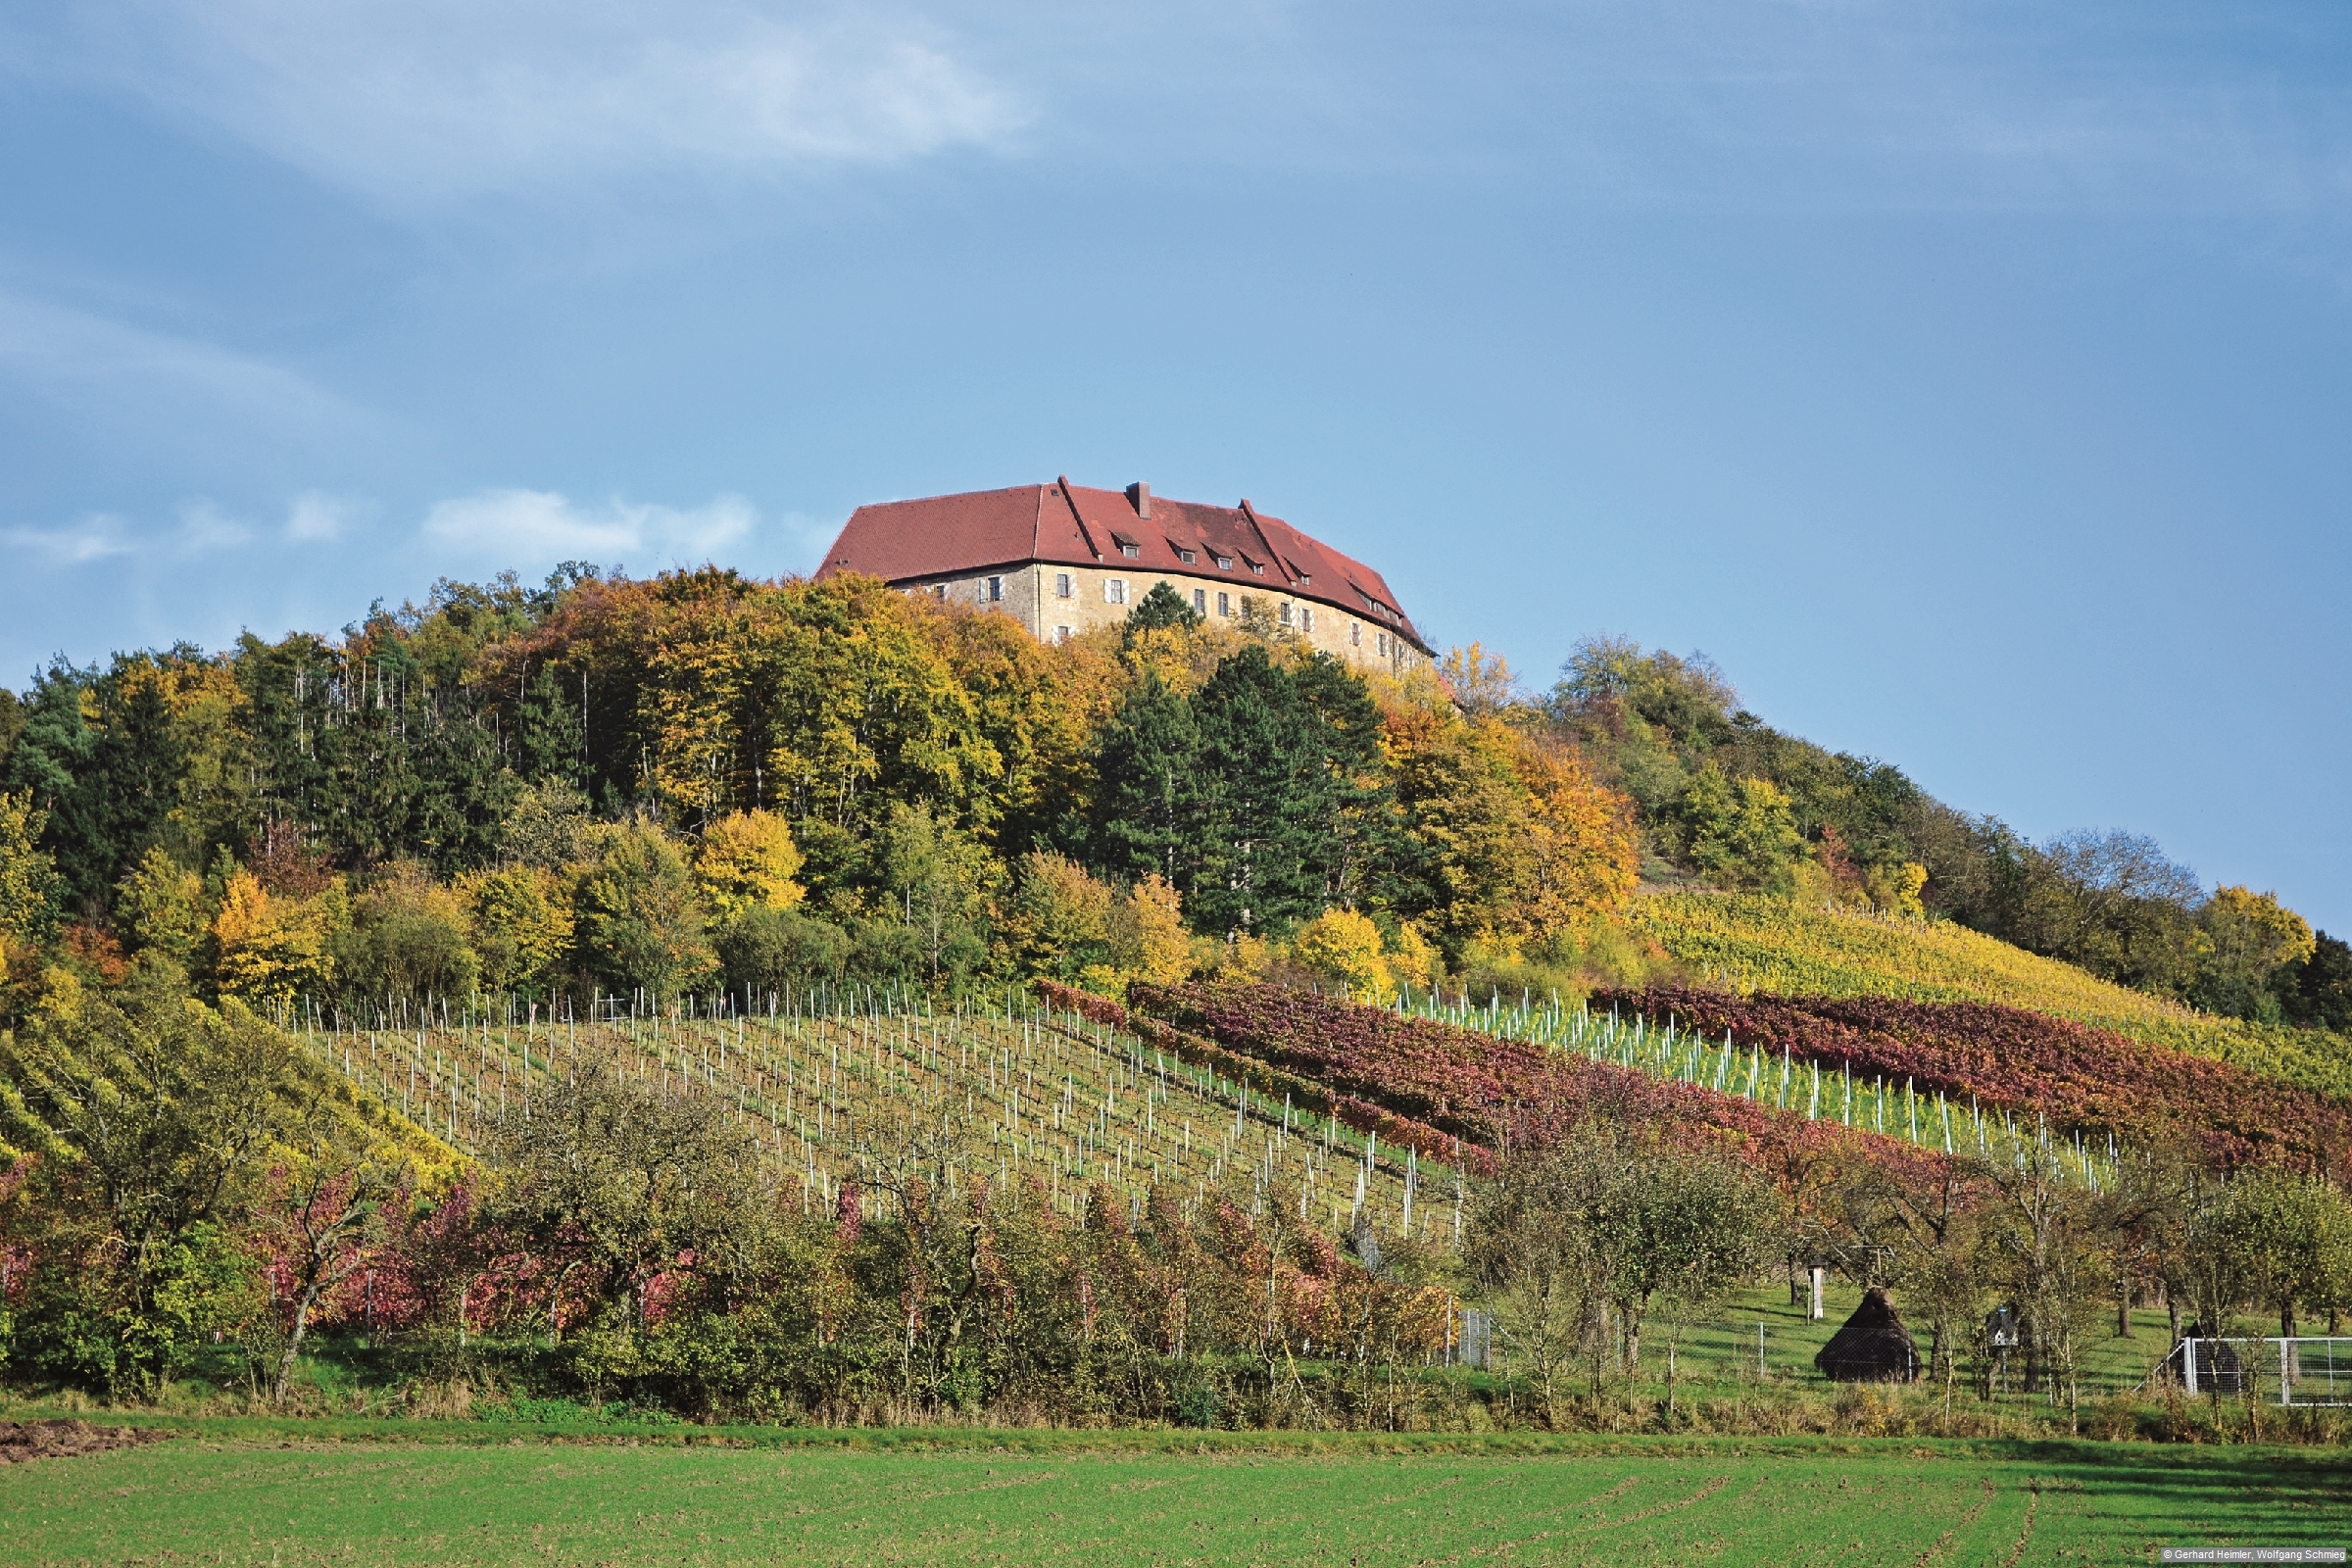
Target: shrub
[[764, 949]]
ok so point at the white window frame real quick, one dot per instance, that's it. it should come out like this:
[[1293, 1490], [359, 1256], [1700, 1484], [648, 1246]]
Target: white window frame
[[1225, 604], [1306, 617], [1062, 585], [1286, 612], [1114, 590], [992, 590], [1062, 634], [1356, 634]]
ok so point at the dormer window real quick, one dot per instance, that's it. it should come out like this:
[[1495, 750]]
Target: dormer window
[[1258, 566], [1185, 556], [1224, 563], [1127, 546]]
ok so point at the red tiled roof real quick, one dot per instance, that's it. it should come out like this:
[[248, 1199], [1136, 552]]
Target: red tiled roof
[[1067, 524]]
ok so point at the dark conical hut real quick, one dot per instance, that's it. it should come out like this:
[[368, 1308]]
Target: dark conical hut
[[1872, 1348], [2218, 1369]]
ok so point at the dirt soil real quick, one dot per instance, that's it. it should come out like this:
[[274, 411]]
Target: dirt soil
[[21, 1441]]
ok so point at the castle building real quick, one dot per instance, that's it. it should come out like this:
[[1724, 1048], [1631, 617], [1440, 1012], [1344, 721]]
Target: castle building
[[1060, 559]]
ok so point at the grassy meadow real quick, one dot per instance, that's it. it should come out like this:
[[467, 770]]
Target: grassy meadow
[[236, 1493]]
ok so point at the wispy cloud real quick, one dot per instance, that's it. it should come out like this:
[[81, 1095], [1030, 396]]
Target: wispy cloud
[[318, 518], [116, 371], [517, 527], [93, 538], [205, 527], [424, 100]]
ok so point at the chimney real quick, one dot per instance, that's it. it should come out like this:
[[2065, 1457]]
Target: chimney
[[1139, 496]]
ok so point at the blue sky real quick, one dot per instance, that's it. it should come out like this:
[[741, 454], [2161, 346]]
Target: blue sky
[[1970, 381]]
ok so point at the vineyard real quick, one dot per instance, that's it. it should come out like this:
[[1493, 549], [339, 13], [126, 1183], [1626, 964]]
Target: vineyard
[[1436, 1082], [871, 1091], [1355, 1110], [2080, 1078], [1752, 942]]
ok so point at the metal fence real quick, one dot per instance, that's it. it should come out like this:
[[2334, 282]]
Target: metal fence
[[2310, 1370]]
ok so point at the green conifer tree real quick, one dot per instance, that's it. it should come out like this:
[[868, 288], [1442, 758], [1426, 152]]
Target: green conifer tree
[[1149, 796]]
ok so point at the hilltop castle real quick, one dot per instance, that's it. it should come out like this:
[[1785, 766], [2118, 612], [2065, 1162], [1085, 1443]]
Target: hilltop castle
[[1060, 559]]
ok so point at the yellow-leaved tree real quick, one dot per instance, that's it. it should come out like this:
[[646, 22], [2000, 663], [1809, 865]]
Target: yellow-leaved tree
[[1464, 804], [27, 878], [2253, 933], [1580, 856], [1057, 921], [521, 924], [1145, 929], [747, 860], [1520, 844], [2245, 938], [160, 907], [269, 950], [1342, 947], [1411, 961], [1897, 889]]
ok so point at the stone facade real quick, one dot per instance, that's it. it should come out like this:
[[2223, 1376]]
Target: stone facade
[[1034, 595]]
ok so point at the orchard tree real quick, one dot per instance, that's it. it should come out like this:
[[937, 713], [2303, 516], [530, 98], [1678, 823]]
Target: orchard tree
[[2291, 1240], [150, 1112]]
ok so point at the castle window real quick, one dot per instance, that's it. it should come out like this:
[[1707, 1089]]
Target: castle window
[[994, 590], [1130, 551], [1062, 585], [1062, 634], [1307, 618], [1224, 604], [1224, 563], [1286, 612], [1258, 566], [1356, 634], [1199, 601], [1384, 645], [1186, 556], [1115, 591]]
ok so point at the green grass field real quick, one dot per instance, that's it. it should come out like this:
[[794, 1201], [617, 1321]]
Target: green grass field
[[1724, 1348], [218, 1496]]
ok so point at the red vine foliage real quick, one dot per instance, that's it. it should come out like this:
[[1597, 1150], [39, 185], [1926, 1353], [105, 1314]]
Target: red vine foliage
[[2079, 1077]]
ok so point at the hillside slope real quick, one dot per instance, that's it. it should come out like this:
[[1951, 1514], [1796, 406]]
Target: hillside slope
[[1751, 943]]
